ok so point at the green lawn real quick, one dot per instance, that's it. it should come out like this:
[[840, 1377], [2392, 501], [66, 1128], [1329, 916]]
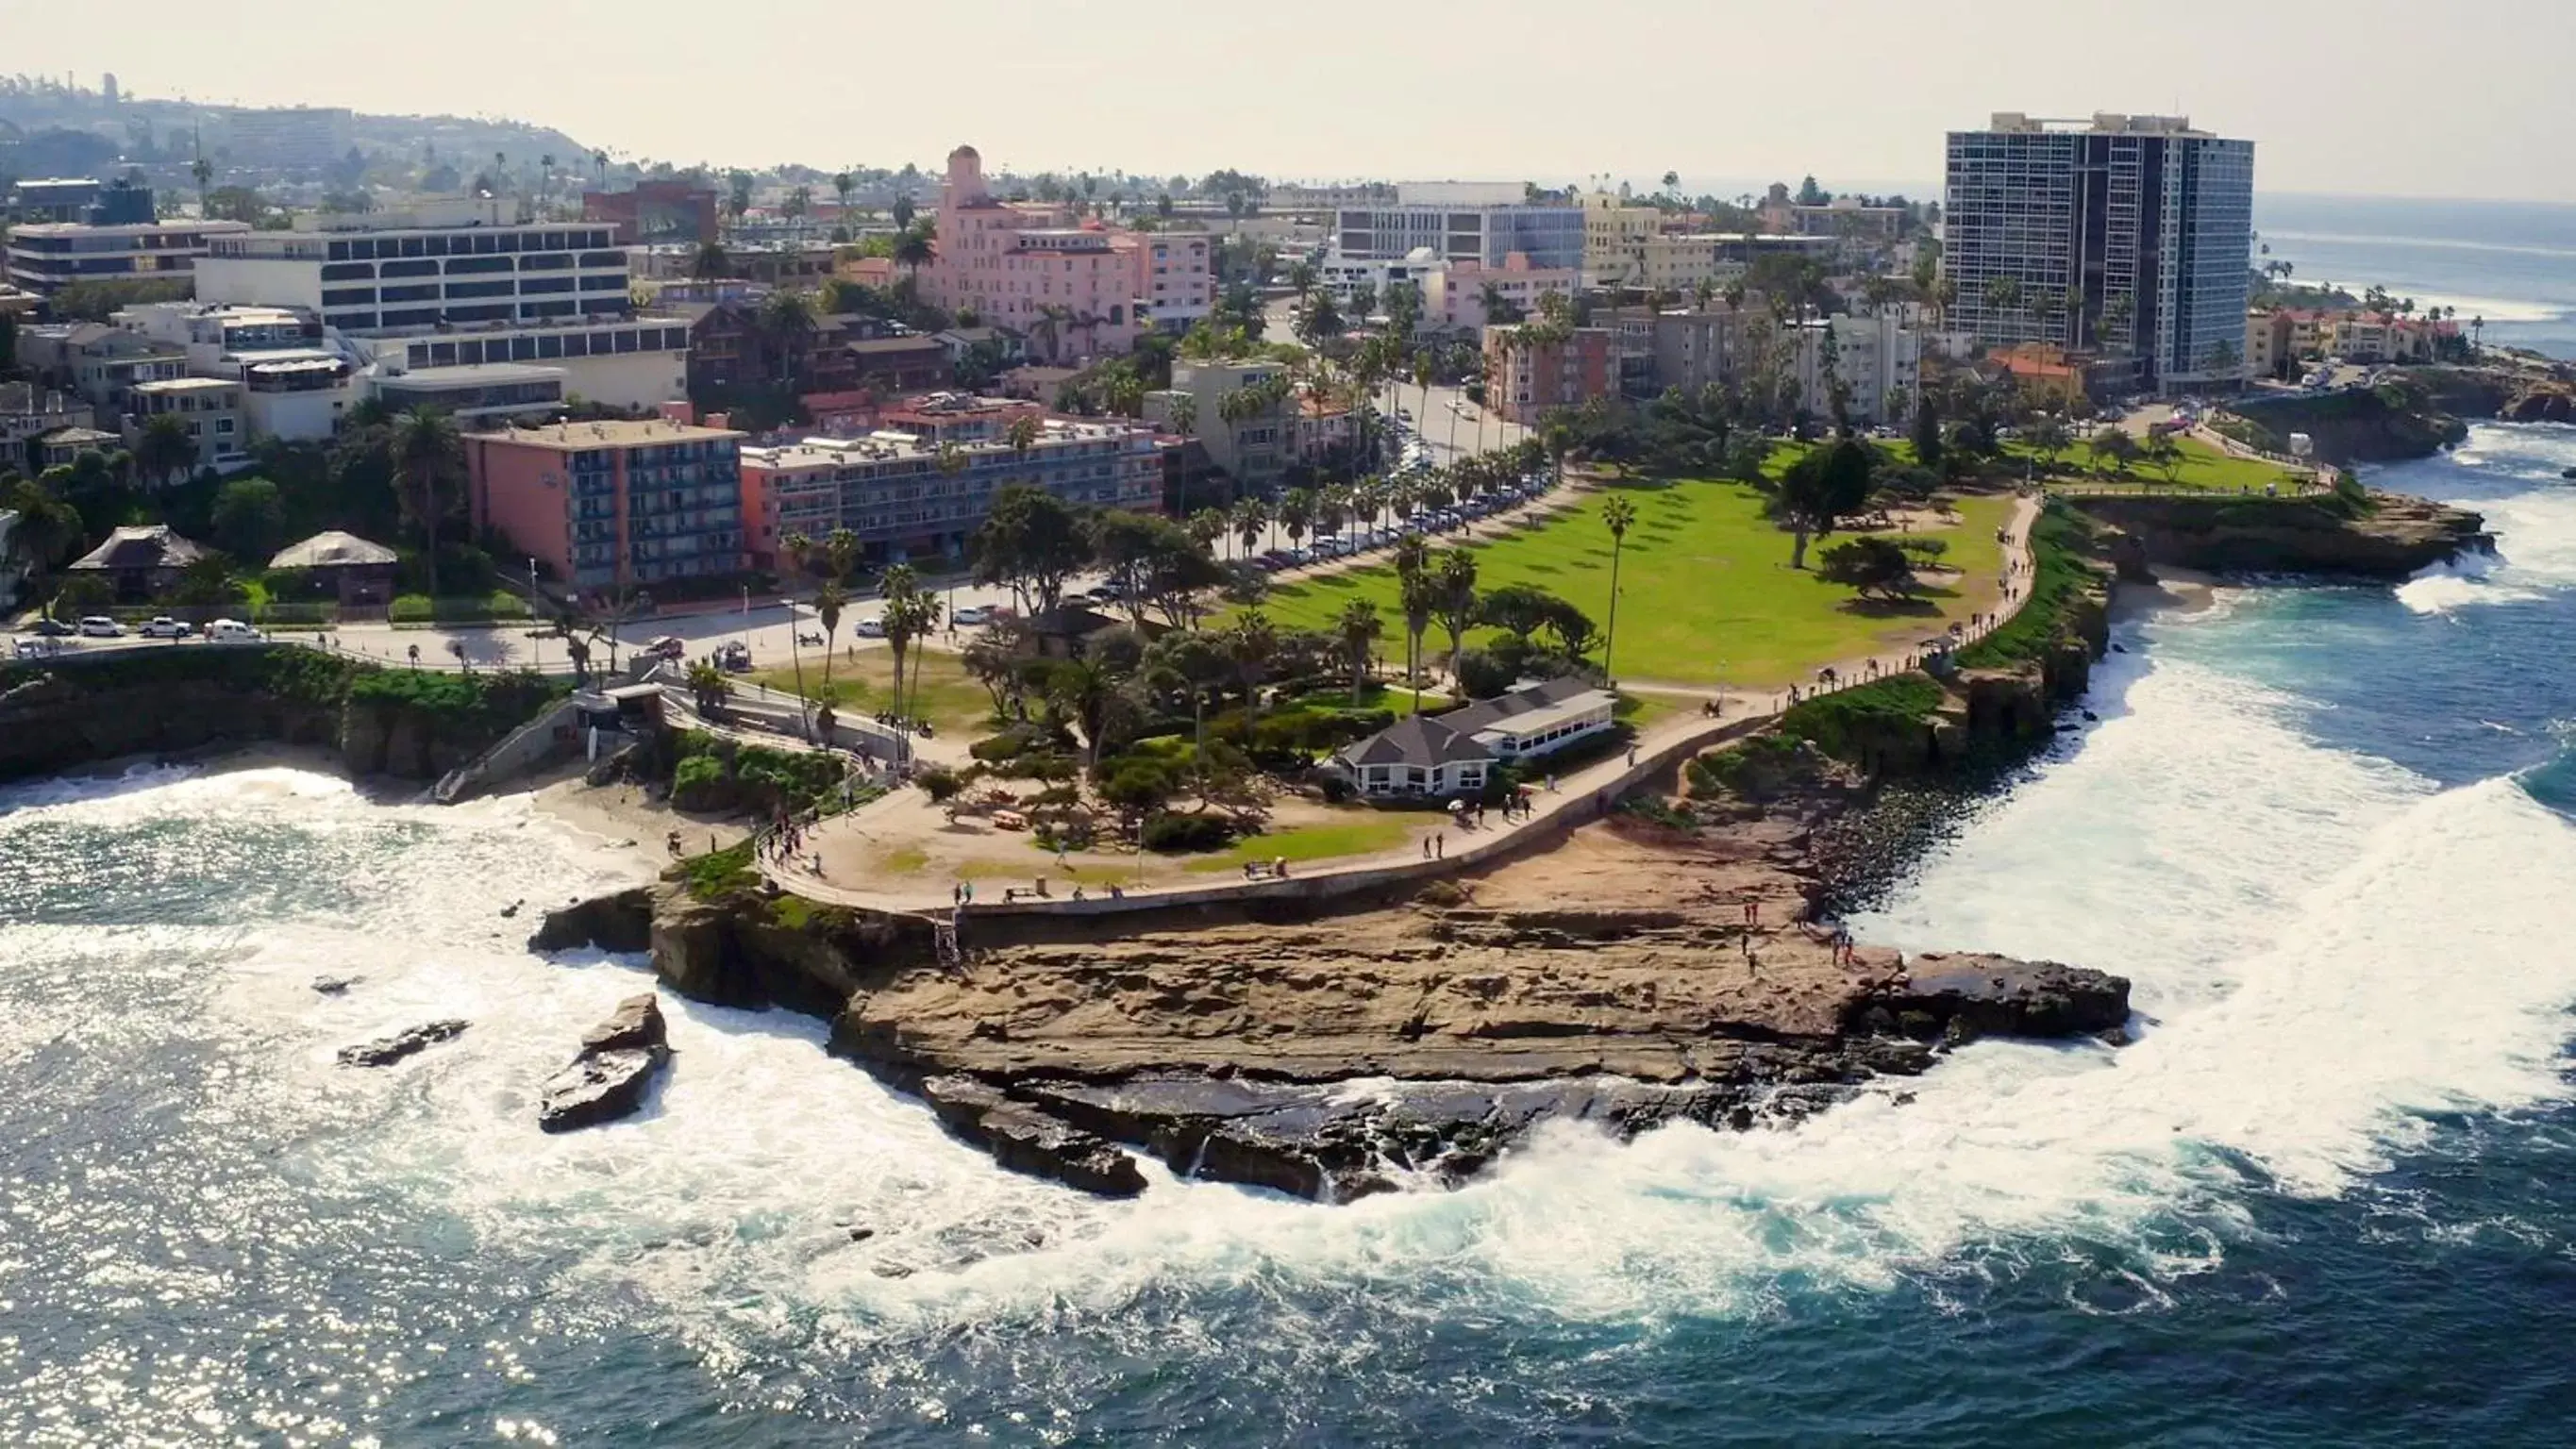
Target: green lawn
[[1706, 591], [2204, 467], [1364, 836], [949, 697]]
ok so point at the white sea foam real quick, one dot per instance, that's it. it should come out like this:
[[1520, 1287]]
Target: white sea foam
[[2324, 944]]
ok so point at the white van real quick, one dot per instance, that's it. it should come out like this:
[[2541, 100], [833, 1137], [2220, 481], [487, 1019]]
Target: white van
[[231, 631], [99, 626]]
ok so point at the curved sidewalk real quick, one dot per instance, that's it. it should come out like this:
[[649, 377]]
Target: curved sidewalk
[[1577, 799]]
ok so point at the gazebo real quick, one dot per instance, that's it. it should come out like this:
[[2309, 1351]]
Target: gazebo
[[140, 561], [362, 571]]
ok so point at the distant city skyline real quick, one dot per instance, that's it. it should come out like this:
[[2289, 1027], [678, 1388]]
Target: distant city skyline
[[1854, 91]]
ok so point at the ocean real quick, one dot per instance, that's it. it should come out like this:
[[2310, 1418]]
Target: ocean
[[2511, 263], [2327, 1197]]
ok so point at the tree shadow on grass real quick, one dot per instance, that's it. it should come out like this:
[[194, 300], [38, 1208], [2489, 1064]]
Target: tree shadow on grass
[[1913, 607]]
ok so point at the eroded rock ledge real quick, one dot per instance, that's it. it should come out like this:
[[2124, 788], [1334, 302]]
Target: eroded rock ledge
[[1405, 1041]]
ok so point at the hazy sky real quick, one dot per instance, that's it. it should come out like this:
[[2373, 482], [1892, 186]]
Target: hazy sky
[[2399, 97]]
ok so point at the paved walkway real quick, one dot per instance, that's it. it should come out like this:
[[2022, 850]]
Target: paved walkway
[[1578, 798]]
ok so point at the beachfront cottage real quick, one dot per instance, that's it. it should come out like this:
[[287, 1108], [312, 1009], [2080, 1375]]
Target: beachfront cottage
[[361, 572], [1453, 754], [139, 561]]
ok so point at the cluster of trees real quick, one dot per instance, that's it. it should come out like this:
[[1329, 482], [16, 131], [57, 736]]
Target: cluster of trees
[[1333, 510], [394, 477]]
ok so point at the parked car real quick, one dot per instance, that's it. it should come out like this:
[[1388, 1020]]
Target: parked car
[[973, 616], [231, 631], [871, 627], [99, 626], [51, 628], [668, 647], [163, 626], [734, 658]]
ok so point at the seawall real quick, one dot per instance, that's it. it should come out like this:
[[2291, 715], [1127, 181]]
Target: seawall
[[86, 709]]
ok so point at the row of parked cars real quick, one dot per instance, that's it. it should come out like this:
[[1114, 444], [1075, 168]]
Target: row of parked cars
[[1446, 519], [43, 635]]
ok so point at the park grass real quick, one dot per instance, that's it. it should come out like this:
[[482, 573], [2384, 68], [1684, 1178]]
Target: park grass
[[903, 860], [1706, 591], [1643, 709], [949, 697], [1025, 870], [2204, 469], [1366, 836]]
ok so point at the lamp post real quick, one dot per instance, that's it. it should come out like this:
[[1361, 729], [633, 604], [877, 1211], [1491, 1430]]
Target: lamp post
[[536, 641]]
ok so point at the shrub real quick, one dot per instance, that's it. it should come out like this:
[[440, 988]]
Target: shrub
[[1840, 721], [698, 783], [1180, 834], [1484, 676], [721, 874], [940, 783], [411, 609]]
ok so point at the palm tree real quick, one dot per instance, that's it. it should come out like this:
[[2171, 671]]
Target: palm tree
[[1251, 520], [1023, 434], [1296, 514], [913, 251], [910, 613], [1251, 645], [204, 172], [428, 452], [793, 550], [165, 451], [1617, 515], [786, 322], [710, 262], [1185, 414], [1457, 602], [1358, 629], [1417, 594], [710, 686]]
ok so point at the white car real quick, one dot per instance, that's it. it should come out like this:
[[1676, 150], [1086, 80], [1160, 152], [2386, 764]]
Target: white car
[[231, 631], [871, 627], [165, 627], [973, 616], [99, 626]]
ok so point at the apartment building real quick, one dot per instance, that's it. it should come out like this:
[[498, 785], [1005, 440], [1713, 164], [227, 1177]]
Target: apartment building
[[28, 413], [1254, 450], [1615, 233], [209, 407], [1877, 359], [1455, 295], [441, 262], [2125, 233], [1076, 289], [98, 362], [656, 213], [1691, 350], [906, 494], [1475, 222], [1525, 378], [294, 384], [612, 504], [1463, 296], [50, 256], [1843, 217]]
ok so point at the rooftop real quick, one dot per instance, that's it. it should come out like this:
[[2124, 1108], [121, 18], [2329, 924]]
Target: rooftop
[[187, 384], [136, 228], [142, 547], [331, 550], [582, 437], [473, 374]]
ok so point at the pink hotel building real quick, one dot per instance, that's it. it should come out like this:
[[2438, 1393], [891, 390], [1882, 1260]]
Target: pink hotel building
[[1076, 290]]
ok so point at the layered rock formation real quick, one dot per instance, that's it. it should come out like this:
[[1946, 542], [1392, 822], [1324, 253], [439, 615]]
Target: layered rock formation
[[608, 1077], [2397, 536], [1626, 978], [385, 1051]]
